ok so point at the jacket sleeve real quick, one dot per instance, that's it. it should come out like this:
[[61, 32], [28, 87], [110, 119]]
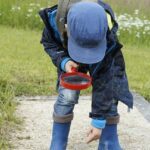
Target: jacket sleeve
[[110, 86], [102, 94], [103, 88], [55, 50]]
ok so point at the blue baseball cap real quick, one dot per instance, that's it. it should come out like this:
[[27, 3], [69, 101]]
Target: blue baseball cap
[[87, 28]]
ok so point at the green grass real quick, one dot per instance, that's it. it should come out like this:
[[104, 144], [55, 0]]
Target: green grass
[[129, 6], [24, 62], [7, 109], [24, 14], [138, 69], [17, 13]]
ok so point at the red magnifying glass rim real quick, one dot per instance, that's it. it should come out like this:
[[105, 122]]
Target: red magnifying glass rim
[[75, 86]]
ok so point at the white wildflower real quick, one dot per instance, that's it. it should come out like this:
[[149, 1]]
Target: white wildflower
[[13, 8], [138, 35], [32, 4], [28, 15], [41, 8], [147, 28], [30, 10], [136, 12], [18, 8]]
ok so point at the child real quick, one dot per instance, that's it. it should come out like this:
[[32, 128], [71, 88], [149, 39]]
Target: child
[[91, 45]]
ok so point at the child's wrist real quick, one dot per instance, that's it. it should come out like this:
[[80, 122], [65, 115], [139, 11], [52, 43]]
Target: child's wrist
[[98, 123], [63, 63]]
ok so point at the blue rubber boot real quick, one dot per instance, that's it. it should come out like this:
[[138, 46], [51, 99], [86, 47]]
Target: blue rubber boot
[[60, 136], [109, 138]]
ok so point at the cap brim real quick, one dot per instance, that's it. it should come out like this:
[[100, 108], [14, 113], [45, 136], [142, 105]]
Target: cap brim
[[86, 55]]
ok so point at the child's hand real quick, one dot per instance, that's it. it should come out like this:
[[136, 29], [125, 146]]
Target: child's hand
[[69, 65], [93, 134]]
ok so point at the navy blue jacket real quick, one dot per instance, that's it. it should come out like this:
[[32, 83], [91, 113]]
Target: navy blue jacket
[[109, 76]]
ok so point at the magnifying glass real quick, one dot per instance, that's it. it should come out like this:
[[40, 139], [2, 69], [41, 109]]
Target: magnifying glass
[[75, 80]]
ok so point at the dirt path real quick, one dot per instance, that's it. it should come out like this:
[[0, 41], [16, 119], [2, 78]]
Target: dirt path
[[134, 129]]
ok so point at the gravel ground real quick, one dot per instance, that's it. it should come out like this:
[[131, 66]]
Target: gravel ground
[[134, 129]]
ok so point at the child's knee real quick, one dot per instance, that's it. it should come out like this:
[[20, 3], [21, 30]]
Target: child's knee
[[67, 97], [62, 118], [63, 108]]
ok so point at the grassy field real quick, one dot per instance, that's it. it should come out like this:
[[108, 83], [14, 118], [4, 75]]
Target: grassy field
[[128, 6], [7, 111], [133, 17], [24, 63], [138, 69], [25, 69], [24, 14]]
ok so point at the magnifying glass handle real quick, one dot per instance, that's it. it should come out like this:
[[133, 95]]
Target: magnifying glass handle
[[73, 69]]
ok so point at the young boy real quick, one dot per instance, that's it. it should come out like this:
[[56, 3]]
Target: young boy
[[91, 45]]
